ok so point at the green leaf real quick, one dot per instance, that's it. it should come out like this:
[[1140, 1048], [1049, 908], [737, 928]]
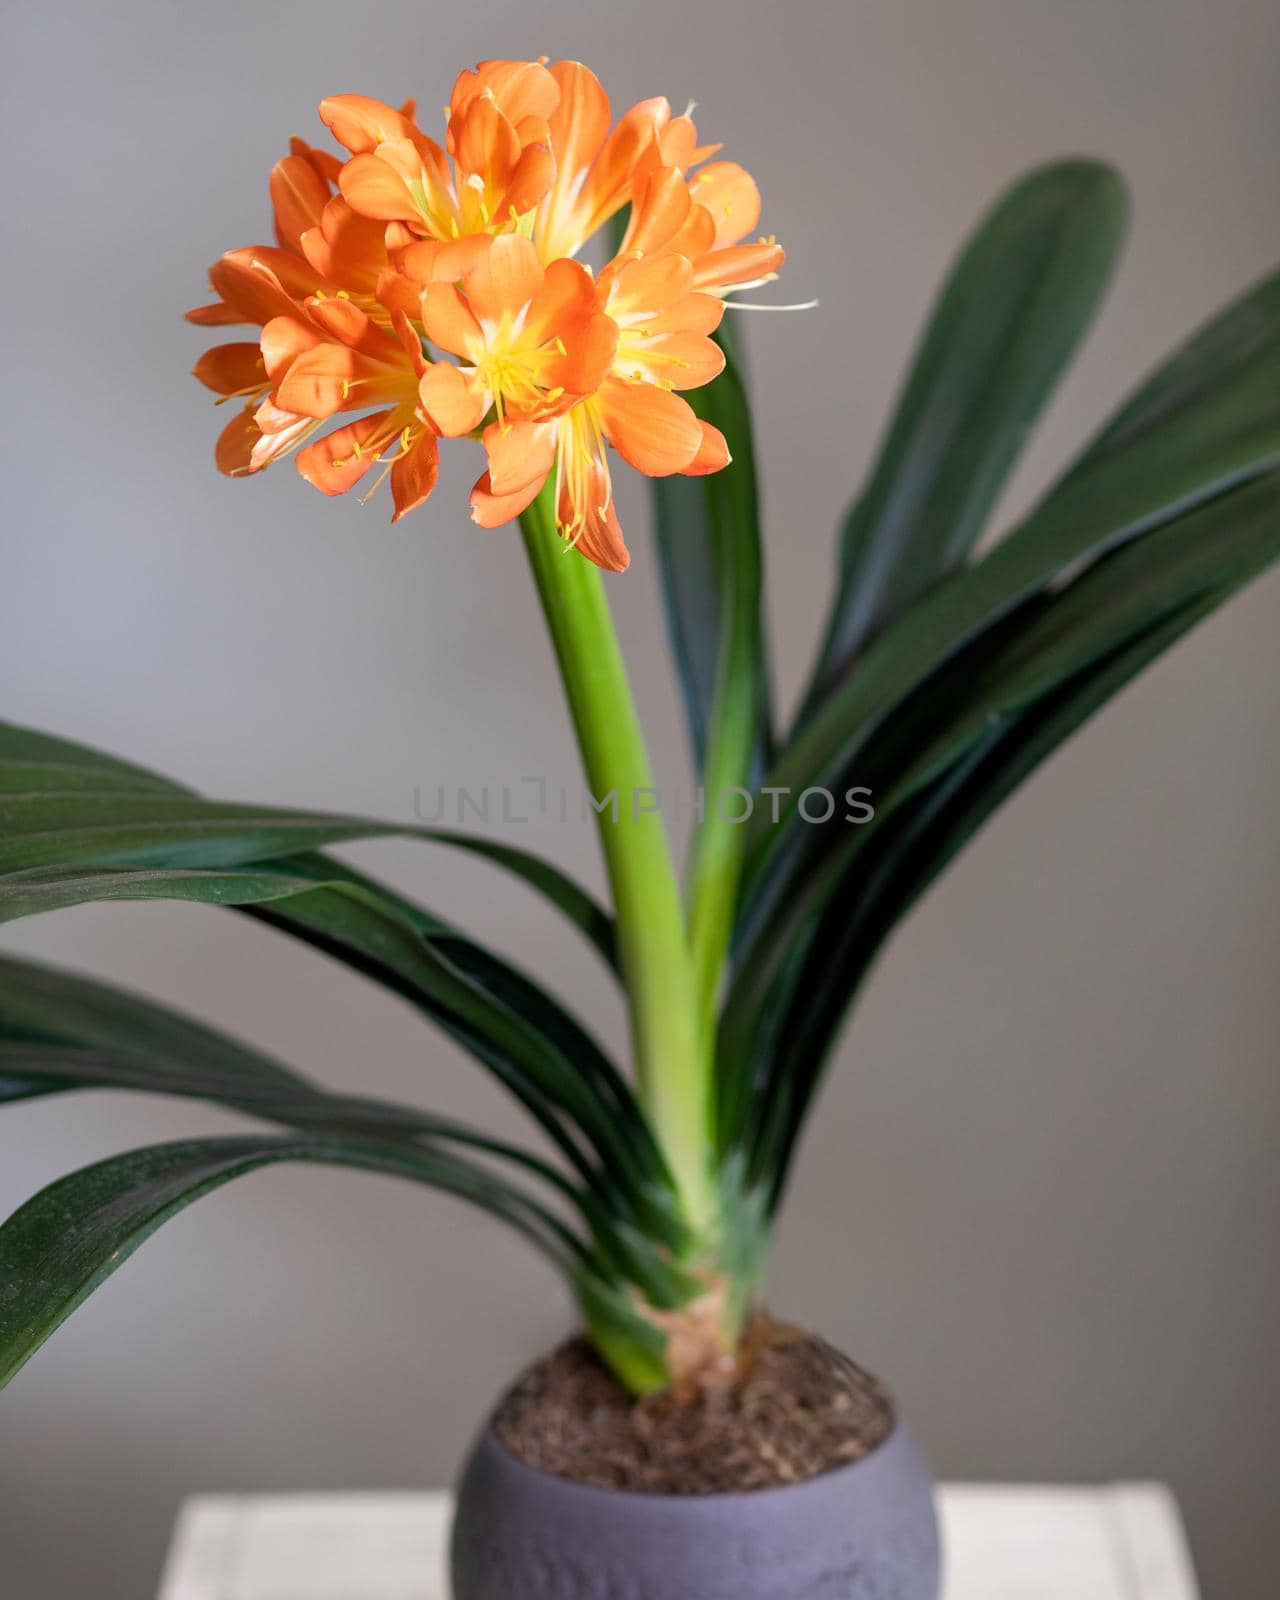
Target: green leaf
[[61, 1031], [19, 745], [46, 1005], [709, 544], [581, 908], [1009, 317], [66, 802], [108, 828], [1214, 549], [1211, 552], [56, 1249], [1075, 646], [711, 561], [1207, 421], [879, 889], [540, 1054]]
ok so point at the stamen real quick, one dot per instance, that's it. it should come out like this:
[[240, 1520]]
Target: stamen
[[747, 305], [365, 498]]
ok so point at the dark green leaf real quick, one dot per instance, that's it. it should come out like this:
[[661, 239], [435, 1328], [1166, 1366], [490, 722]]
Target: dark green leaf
[[1208, 421], [56, 1249], [1009, 318], [68, 803], [709, 548], [582, 909], [878, 890], [1111, 605], [536, 1049]]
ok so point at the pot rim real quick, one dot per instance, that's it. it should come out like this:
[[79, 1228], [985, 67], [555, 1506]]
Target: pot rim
[[897, 1435]]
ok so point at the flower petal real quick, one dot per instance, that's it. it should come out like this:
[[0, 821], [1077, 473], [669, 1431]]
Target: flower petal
[[740, 263], [279, 432], [414, 473], [566, 308], [660, 210], [339, 460], [578, 125], [520, 455], [219, 315], [484, 144], [235, 444], [598, 534], [533, 175], [346, 248], [231, 368], [448, 320], [298, 198], [363, 124], [490, 510], [672, 360], [283, 341], [262, 282], [713, 453], [520, 88], [653, 430], [730, 194], [643, 287], [504, 279], [455, 403], [442, 260], [375, 188]]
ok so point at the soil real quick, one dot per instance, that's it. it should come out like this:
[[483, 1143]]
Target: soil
[[797, 1408]]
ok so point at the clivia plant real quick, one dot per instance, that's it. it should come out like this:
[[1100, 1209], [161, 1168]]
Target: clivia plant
[[422, 292]]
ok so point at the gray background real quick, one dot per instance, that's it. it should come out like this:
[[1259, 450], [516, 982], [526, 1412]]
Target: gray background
[[1041, 1191]]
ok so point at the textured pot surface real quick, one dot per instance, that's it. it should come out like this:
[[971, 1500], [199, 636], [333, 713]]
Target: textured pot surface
[[863, 1532]]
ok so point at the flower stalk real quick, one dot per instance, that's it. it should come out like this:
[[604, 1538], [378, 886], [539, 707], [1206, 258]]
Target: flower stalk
[[672, 1065]]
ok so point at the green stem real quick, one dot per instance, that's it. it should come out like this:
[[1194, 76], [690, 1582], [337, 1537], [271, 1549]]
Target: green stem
[[672, 1065]]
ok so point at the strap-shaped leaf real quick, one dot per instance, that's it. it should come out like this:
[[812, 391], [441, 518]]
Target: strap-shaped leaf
[[1183, 440], [61, 1031], [46, 1004], [19, 745], [973, 731], [710, 551], [877, 892], [153, 820], [541, 1054], [110, 828], [56, 1249], [711, 561], [1009, 317], [581, 908], [1212, 550]]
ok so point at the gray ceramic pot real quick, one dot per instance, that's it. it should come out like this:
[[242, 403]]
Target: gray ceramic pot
[[863, 1532]]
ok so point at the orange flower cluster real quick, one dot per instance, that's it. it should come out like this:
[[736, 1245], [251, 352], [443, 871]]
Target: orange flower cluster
[[420, 291]]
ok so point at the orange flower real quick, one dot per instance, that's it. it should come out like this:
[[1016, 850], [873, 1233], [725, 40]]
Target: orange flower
[[659, 343], [704, 219], [324, 248], [533, 337], [253, 286], [330, 357], [497, 140], [595, 168], [468, 247]]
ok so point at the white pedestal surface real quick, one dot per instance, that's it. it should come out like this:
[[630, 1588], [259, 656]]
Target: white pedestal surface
[[1003, 1542]]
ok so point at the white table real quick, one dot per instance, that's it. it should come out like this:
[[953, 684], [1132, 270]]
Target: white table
[[1121, 1542]]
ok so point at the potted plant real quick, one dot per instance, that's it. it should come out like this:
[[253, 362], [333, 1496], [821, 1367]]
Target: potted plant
[[422, 292]]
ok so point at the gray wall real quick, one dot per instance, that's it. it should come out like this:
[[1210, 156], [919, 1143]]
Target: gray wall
[[1041, 1193]]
